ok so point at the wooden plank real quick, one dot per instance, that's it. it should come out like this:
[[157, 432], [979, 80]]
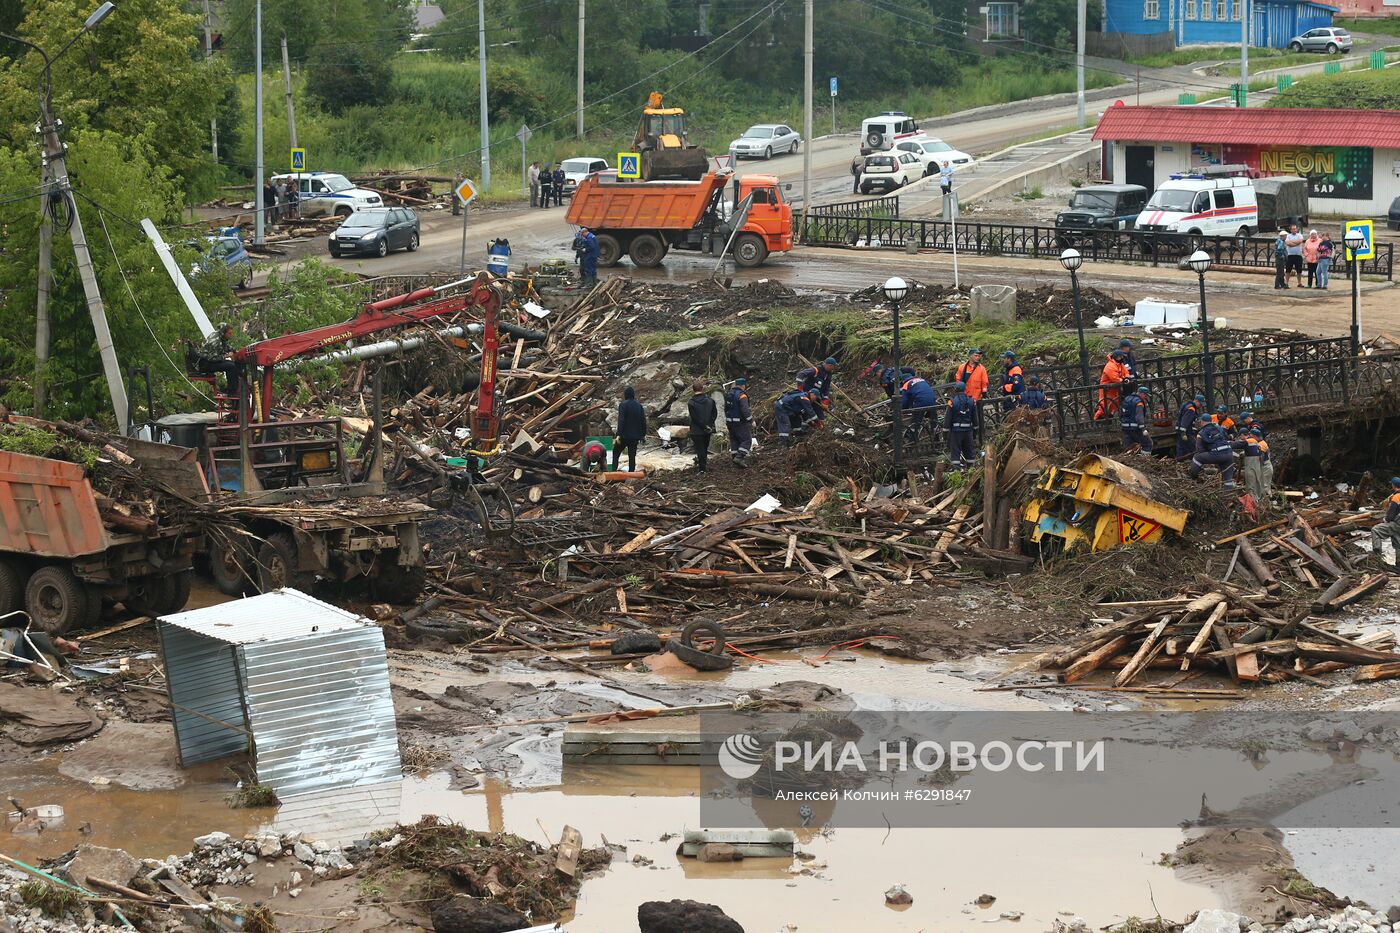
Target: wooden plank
[[791, 550], [1094, 659], [1144, 653], [743, 556], [1247, 667], [1376, 672], [130, 624], [1203, 635], [570, 848]]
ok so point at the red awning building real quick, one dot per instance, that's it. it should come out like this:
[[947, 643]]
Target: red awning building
[[1352, 157]]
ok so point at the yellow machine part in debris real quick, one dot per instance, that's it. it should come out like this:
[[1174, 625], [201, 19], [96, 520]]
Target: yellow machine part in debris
[[1098, 503]]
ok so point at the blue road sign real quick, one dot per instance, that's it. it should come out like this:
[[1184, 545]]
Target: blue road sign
[[298, 160], [833, 87], [629, 165]]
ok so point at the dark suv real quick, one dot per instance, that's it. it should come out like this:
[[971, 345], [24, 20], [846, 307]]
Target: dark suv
[[1099, 207], [375, 231]]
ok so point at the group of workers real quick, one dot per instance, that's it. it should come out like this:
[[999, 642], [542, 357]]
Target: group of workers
[[1213, 440]]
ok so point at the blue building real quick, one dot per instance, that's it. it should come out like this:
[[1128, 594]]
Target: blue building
[[1215, 22]]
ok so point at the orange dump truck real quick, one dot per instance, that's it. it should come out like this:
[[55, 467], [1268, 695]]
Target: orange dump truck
[[646, 219], [64, 547]]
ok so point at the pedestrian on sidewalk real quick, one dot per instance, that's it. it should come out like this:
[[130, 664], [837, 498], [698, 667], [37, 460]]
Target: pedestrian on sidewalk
[[945, 178], [293, 200], [282, 211], [269, 199], [546, 185], [559, 180], [702, 411], [1281, 259], [1295, 241], [857, 164], [1324, 259], [1310, 256], [534, 184], [631, 428]]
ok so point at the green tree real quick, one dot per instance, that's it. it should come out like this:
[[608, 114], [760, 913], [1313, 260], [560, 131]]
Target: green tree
[[1053, 22], [139, 74]]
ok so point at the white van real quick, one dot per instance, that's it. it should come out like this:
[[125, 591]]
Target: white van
[[878, 134], [1202, 204], [326, 194]]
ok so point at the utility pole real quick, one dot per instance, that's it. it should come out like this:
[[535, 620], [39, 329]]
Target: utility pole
[[208, 54], [1079, 63], [806, 112], [58, 170], [287, 87], [1243, 7], [41, 300], [260, 205], [485, 120], [579, 128]]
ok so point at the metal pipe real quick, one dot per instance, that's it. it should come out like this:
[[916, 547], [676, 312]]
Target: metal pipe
[[370, 351]]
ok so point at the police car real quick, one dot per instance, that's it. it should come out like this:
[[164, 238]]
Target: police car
[[326, 194]]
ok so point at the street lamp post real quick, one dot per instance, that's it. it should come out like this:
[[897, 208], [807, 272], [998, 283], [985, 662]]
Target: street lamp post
[[1199, 261], [1354, 240], [1071, 260], [895, 290]]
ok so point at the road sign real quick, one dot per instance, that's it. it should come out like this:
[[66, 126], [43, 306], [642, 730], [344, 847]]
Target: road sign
[[1367, 229], [1134, 528], [833, 87], [298, 160], [629, 165], [524, 133], [465, 191]]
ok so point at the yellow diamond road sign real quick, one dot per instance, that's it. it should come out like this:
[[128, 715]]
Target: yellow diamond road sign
[[466, 191], [629, 165]]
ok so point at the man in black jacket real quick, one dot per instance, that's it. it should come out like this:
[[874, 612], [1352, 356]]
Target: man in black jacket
[[703, 411], [631, 428]]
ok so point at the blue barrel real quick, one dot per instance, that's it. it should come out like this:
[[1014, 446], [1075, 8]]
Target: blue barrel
[[498, 258]]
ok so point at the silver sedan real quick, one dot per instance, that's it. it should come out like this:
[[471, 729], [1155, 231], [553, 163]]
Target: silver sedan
[[765, 140]]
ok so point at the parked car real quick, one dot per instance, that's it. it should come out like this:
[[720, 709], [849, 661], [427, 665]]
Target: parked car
[[225, 249], [1329, 39], [882, 133], [888, 171], [1099, 208], [326, 194], [577, 169], [933, 153], [376, 231], [765, 140], [1392, 217]]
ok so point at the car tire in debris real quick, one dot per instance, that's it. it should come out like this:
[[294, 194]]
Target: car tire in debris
[[413, 242], [277, 565], [647, 250], [11, 588], [609, 250], [453, 633], [57, 600], [750, 250], [713, 659], [398, 584], [636, 643]]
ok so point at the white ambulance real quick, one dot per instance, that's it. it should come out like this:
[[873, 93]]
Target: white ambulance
[[1217, 201]]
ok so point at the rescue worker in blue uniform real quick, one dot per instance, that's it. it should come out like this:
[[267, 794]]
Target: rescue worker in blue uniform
[[738, 416], [1222, 418], [917, 397], [793, 412], [1186, 418], [819, 377], [1248, 423], [1132, 421], [1034, 397], [1013, 381], [961, 424], [1213, 448]]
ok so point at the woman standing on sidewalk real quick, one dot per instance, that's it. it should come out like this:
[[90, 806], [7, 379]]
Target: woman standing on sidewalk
[[1324, 259], [1310, 247]]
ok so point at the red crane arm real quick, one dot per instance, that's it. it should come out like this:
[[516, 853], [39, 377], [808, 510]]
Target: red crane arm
[[376, 316]]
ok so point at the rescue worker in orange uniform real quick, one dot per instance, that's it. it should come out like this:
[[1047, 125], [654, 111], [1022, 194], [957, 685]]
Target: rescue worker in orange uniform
[[973, 375], [1389, 530], [1115, 373]]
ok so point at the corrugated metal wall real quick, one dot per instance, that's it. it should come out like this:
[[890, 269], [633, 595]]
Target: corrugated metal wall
[[202, 677], [321, 712]]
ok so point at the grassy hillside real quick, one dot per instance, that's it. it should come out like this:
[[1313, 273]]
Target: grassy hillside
[[1356, 90]]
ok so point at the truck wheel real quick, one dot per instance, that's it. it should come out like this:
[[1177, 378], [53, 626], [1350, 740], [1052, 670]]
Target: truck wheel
[[159, 595], [398, 584], [750, 250], [230, 564], [647, 251], [277, 563], [57, 600], [11, 589], [609, 250]]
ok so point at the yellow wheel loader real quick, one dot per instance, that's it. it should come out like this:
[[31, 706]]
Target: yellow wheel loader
[[662, 143]]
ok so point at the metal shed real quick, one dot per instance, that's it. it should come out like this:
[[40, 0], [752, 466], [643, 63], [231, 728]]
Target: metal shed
[[301, 684]]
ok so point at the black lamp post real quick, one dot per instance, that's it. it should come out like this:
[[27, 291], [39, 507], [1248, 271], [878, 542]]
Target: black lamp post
[[1071, 260], [895, 290], [1199, 262], [1354, 240]]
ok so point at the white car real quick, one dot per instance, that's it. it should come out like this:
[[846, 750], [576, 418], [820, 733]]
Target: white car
[[888, 171], [933, 153], [579, 168], [766, 140], [326, 194]]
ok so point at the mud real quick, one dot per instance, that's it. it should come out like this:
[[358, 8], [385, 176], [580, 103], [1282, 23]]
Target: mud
[[133, 755]]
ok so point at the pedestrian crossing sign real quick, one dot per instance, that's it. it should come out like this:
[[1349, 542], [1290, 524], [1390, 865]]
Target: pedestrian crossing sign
[[1366, 229], [629, 165], [298, 160]]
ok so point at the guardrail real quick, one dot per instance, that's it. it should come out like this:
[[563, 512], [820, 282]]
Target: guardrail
[[878, 224]]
